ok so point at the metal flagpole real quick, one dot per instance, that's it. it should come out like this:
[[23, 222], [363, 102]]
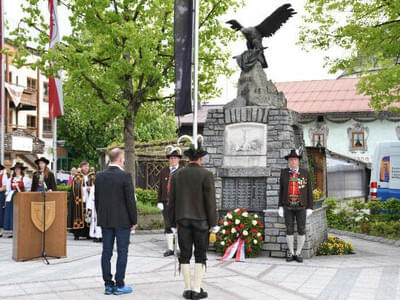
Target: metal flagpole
[[55, 146], [196, 69], [3, 106]]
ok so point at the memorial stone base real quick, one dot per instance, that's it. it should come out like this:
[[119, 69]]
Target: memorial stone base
[[246, 147]]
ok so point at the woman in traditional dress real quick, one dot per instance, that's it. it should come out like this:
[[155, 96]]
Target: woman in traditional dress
[[43, 178], [17, 183]]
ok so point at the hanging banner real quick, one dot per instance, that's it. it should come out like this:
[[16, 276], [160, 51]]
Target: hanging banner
[[183, 44], [15, 93]]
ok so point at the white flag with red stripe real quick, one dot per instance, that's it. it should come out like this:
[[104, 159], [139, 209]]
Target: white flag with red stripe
[[56, 102]]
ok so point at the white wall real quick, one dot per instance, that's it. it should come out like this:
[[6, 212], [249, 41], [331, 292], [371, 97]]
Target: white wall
[[338, 140]]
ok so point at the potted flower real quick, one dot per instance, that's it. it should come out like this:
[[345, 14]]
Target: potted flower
[[318, 197]]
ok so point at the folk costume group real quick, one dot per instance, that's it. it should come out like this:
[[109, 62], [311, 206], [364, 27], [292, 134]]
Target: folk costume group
[[42, 179], [186, 197], [103, 207], [189, 196]]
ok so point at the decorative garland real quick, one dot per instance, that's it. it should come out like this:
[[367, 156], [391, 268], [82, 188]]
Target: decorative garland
[[241, 233]]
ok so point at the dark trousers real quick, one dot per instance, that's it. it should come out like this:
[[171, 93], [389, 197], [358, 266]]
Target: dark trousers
[[2, 208], [167, 224], [84, 232], [8, 216], [290, 215], [193, 232], [122, 236]]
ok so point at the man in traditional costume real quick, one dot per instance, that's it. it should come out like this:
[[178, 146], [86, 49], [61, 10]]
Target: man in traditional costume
[[192, 209], [3, 188], [174, 155], [295, 202], [17, 183], [43, 178], [80, 191]]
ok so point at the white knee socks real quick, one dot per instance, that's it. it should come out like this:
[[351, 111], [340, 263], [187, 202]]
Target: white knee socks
[[170, 241], [290, 243], [185, 268], [198, 277], [300, 243]]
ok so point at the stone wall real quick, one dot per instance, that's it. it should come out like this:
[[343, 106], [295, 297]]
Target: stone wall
[[275, 233], [283, 132]]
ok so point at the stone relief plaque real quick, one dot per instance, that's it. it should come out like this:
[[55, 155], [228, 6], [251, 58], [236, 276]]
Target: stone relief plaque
[[245, 145]]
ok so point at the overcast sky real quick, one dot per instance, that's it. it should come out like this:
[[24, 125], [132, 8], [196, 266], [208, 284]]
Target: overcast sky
[[286, 60]]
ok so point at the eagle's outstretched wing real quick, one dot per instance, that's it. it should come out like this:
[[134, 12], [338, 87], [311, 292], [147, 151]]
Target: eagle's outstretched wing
[[235, 25], [272, 23]]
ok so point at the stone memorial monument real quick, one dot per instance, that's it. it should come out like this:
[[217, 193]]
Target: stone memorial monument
[[247, 141]]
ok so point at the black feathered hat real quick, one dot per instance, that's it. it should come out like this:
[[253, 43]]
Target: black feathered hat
[[173, 151], [194, 153], [294, 153]]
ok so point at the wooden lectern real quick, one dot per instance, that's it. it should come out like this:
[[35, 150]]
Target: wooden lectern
[[28, 225]]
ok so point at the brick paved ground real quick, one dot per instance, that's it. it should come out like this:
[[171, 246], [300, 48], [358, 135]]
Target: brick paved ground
[[372, 273]]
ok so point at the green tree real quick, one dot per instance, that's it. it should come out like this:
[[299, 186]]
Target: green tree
[[369, 31], [121, 52], [88, 124], [155, 122], [85, 119]]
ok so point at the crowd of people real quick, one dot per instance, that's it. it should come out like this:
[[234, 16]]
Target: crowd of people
[[102, 207], [17, 181]]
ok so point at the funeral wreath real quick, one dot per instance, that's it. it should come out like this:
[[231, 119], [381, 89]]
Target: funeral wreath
[[238, 225]]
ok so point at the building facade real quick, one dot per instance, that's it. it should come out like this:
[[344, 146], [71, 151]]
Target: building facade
[[29, 130], [333, 115]]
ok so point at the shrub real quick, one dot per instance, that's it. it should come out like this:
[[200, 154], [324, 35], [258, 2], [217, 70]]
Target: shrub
[[336, 217], [365, 227], [146, 208], [67, 188], [386, 229], [146, 196], [335, 246]]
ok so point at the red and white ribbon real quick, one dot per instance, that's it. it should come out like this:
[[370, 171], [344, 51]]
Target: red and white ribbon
[[236, 248]]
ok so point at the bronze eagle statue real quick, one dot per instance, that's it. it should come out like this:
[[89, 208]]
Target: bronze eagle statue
[[254, 35]]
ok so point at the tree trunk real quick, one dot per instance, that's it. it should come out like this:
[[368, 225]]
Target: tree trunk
[[129, 139]]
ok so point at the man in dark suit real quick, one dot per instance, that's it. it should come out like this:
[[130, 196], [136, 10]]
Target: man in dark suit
[[117, 216], [295, 202], [192, 207], [174, 157]]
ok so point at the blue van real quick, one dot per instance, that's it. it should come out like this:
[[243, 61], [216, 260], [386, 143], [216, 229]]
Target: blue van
[[385, 172]]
